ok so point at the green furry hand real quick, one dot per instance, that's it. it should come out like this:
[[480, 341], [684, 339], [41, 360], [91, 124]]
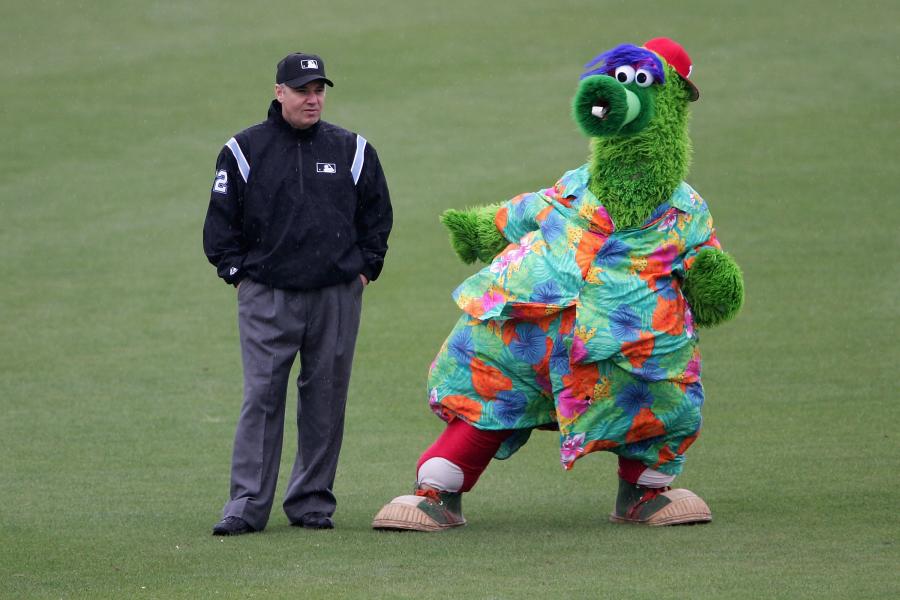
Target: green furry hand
[[714, 288], [473, 234]]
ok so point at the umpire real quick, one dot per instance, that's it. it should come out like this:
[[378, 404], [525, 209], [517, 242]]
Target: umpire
[[298, 221]]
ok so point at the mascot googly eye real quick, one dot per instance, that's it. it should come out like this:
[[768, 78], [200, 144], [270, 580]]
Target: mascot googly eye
[[643, 78], [624, 74]]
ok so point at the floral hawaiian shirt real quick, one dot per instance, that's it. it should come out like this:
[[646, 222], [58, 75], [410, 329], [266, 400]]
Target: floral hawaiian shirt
[[581, 326]]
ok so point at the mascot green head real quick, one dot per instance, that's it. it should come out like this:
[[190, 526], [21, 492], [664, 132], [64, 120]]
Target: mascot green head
[[619, 91], [632, 102]]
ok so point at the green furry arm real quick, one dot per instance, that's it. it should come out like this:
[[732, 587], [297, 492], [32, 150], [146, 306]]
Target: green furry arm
[[714, 287], [463, 226], [490, 240], [473, 234]]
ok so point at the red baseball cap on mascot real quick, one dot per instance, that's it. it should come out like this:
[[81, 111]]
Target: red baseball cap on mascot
[[678, 57]]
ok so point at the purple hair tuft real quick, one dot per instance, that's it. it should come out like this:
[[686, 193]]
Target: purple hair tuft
[[625, 54]]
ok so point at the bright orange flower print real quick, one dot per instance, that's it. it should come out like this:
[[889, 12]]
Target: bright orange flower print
[[535, 312], [542, 378], [509, 332], [645, 425], [541, 216], [581, 381], [471, 306], [593, 446], [559, 194], [588, 375], [463, 406], [687, 442], [567, 324], [501, 218], [587, 250], [665, 455], [639, 350], [668, 316], [599, 445], [545, 321], [543, 367], [652, 271], [488, 380], [712, 242]]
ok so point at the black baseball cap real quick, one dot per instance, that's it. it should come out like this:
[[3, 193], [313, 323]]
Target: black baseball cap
[[298, 69]]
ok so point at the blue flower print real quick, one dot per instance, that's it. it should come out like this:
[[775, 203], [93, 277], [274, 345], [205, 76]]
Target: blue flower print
[[530, 346], [612, 252], [547, 292], [461, 346], [633, 398], [624, 323], [509, 406]]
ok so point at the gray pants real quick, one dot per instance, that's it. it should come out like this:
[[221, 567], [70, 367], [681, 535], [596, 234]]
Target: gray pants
[[275, 325]]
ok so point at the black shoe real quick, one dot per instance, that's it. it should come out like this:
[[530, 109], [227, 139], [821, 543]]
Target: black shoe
[[315, 520], [232, 526]]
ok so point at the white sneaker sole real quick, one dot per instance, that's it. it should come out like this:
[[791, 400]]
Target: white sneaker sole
[[403, 514]]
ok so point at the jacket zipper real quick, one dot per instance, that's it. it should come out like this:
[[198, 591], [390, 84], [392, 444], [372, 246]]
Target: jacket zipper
[[300, 165]]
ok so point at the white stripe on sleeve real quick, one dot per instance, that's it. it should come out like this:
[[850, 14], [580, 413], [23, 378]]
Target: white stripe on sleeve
[[358, 158], [243, 165]]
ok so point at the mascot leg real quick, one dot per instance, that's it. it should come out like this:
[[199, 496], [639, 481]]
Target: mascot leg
[[451, 466], [645, 498]]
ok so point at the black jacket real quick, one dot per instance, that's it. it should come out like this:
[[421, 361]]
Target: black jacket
[[297, 209]]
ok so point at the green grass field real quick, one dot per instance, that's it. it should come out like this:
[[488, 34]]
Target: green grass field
[[119, 363]]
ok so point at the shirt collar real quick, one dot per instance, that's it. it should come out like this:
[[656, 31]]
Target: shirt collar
[[277, 118]]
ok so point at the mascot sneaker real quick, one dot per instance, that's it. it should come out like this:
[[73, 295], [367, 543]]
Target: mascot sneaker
[[426, 510], [658, 506]]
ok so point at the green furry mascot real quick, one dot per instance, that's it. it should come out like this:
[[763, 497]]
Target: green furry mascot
[[585, 319]]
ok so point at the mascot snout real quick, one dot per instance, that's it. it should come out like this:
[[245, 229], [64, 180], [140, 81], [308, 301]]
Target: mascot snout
[[603, 106]]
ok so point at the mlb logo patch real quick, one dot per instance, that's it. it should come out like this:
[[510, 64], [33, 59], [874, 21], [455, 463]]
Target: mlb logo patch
[[309, 64], [325, 168]]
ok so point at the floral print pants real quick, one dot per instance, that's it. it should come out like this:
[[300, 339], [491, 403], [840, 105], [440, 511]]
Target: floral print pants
[[518, 374]]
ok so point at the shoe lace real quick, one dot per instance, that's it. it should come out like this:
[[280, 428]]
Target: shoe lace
[[649, 495], [430, 494]]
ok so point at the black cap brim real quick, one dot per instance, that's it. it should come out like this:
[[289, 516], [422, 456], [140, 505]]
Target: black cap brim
[[693, 92], [301, 81]]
